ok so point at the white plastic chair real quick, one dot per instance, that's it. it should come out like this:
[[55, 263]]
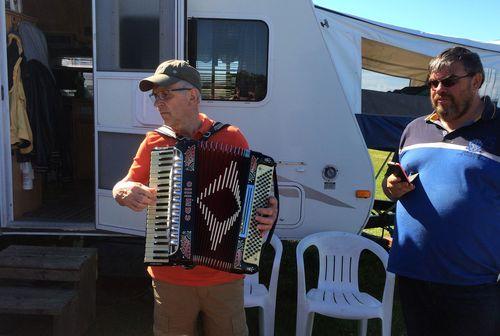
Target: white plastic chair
[[337, 293], [258, 295]]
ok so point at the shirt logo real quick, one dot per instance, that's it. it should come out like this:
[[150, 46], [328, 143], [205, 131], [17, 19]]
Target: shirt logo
[[475, 146]]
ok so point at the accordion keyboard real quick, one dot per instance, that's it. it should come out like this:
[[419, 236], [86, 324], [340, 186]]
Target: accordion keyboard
[[163, 219]]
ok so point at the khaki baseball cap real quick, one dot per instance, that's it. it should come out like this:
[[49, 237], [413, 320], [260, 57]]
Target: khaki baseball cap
[[170, 72]]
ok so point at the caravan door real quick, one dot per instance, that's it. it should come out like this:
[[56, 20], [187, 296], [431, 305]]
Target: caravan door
[[131, 38], [5, 190]]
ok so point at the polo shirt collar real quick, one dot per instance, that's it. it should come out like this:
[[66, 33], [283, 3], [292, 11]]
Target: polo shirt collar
[[489, 112]]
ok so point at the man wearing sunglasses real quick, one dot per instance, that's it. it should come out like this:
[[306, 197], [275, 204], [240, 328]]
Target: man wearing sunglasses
[[446, 249], [183, 296]]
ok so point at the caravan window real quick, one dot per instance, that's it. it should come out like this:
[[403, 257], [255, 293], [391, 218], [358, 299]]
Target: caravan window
[[134, 35], [231, 56]]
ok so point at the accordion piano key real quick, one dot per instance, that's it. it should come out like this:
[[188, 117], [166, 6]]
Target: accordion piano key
[[162, 234]]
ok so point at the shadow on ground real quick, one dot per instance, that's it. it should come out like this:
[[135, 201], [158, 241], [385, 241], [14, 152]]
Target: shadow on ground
[[124, 307]]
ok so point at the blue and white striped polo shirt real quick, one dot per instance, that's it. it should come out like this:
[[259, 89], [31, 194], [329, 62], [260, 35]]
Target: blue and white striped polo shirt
[[448, 228]]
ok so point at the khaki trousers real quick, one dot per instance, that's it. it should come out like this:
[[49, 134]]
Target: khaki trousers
[[178, 310]]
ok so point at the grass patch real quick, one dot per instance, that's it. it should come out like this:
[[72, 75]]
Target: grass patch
[[378, 232], [378, 162]]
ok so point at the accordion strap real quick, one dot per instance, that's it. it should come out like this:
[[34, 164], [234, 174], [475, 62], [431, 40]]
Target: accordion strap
[[166, 131], [216, 127], [169, 132]]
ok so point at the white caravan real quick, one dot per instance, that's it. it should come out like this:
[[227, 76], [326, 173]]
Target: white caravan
[[287, 73]]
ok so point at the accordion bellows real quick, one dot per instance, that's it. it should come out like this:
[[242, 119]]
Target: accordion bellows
[[207, 196]]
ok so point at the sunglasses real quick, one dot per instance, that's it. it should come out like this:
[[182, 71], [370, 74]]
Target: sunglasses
[[447, 82]]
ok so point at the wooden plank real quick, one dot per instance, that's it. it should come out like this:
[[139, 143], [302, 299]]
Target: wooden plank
[[31, 250], [36, 301], [45, 263], [39, 274]]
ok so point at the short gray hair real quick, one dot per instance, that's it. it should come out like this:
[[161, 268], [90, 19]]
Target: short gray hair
[[187, 85], [470, 61]]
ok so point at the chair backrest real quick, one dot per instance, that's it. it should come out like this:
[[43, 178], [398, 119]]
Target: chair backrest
[[278, 251], [339, 254]]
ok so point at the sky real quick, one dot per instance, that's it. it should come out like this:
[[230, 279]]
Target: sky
[[475, 20]]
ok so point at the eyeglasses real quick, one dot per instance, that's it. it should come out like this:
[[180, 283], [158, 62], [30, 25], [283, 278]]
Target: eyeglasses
[[447, 82], [165, 95]]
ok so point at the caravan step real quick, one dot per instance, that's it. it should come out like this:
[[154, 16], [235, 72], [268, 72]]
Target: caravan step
[[46, 262], [39, 311], [35, 301], [69, 268]]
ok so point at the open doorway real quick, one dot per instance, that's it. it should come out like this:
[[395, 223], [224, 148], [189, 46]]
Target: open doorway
[[49, 46]]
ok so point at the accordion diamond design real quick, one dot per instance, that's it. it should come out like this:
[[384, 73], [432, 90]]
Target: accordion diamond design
[[218, 228]]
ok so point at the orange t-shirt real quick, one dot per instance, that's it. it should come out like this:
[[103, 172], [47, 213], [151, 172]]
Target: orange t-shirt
[[139, 172]]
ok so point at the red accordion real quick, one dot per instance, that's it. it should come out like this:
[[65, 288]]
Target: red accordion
[[207, 196]]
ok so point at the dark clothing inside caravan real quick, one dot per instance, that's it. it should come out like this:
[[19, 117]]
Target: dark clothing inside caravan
[[43, 103]]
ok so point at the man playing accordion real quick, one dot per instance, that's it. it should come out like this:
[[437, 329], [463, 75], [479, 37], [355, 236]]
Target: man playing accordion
[[183, 295]]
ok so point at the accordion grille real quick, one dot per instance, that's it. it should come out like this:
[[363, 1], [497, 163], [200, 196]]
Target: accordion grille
[[221, 182]]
